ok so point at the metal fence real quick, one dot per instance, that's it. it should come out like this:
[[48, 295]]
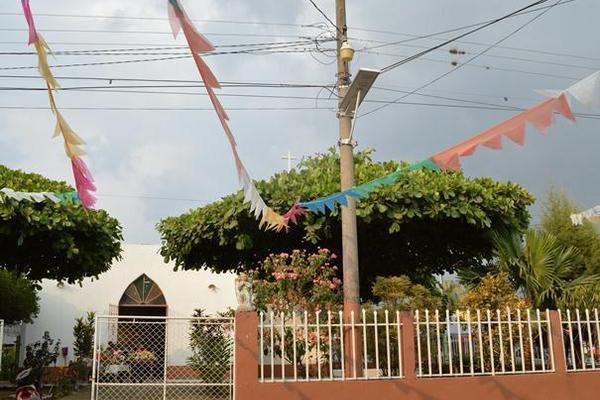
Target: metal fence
[[581, 339], [1, 342], [325, 346], [150, 358], [467, 343]]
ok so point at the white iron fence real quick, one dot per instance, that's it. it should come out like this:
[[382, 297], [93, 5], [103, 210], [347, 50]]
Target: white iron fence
[[581, 339], [325, 346], [149, 358], [467, 343], [1, 341]]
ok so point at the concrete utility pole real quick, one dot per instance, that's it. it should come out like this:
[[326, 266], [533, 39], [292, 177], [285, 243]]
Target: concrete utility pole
[[349, 232]]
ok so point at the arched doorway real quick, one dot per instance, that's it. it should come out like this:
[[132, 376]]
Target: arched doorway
[[140, 335]]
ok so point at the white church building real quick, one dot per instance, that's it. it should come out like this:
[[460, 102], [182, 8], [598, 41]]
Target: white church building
[[139, 284]]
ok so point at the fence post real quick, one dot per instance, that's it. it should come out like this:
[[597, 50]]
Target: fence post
[[246, 353], [166, 359], [560, 364], [408, 345], [95, 358]]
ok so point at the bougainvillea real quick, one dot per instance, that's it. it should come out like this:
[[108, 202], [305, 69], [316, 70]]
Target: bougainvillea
[[297, 281]]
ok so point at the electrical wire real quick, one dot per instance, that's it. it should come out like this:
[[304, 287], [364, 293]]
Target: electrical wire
[[455, 38], [513, 32], [426, 104], [489, 67], [326, 17], [261, 51], [150, 32]]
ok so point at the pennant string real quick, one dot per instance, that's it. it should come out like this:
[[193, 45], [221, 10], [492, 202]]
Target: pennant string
[[197, 43], [72, 141]]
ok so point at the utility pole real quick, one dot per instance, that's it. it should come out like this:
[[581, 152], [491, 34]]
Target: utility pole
[[349, 231]]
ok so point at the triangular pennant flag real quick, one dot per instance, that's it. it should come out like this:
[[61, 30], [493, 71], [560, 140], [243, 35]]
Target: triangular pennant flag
[[33, 36], [495, 142], [41, 47], [468, 151], [197, 42], [517, 134], [209, 79], [587, 91], [173, 20], [542, 118]]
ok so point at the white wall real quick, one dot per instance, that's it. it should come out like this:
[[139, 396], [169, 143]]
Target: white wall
[[184, 291]]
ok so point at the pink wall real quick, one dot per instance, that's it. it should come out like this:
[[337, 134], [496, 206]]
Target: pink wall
[[558, 385]]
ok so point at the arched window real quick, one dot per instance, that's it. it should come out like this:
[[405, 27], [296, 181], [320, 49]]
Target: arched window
[[143, 292]]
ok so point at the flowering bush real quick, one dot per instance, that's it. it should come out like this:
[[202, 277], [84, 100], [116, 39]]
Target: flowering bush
[[142, 355], [112, 356], [297, 282], [294, 283]]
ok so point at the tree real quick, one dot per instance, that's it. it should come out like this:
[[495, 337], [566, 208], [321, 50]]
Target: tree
[[83, 332], [399, 293], [48, 240], [41, 353], [212, 349], [18, 298], [493, 292], [556, 209], [543, 269], [426, 223]]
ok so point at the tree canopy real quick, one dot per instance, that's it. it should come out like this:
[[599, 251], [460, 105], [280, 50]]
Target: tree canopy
[[427, 222], [48, 240], [18, 298], [556, 209]]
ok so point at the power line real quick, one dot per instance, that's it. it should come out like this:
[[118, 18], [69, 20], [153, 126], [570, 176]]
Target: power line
[[143, 60], [326, 17], [162, 48], [222, 21], [147, 197], [120, 79], [540, 14], [441, 105], [489, 67], [152, 32], [470, 32]]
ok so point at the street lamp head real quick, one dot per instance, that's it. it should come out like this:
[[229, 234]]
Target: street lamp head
[[346, 52]]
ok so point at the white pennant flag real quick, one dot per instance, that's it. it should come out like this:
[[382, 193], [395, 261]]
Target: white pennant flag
[[587, 91]]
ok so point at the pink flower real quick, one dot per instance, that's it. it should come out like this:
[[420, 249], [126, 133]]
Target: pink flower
[[333, 256], [284, 255], [332, 285]]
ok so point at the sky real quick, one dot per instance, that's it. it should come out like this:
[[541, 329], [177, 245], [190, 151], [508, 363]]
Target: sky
[[150, 164]]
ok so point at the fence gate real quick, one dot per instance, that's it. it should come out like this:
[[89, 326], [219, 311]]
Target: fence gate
[[156, 358]]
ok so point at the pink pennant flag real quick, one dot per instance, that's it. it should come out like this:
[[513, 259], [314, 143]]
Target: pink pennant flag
[[517, 134], [468, 151], [217, 104], [209, 79], [174, 20], [197, 42], [495, 142], [293, 214], [541, 116], [564, 108], [33, 37], [84, 182]]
